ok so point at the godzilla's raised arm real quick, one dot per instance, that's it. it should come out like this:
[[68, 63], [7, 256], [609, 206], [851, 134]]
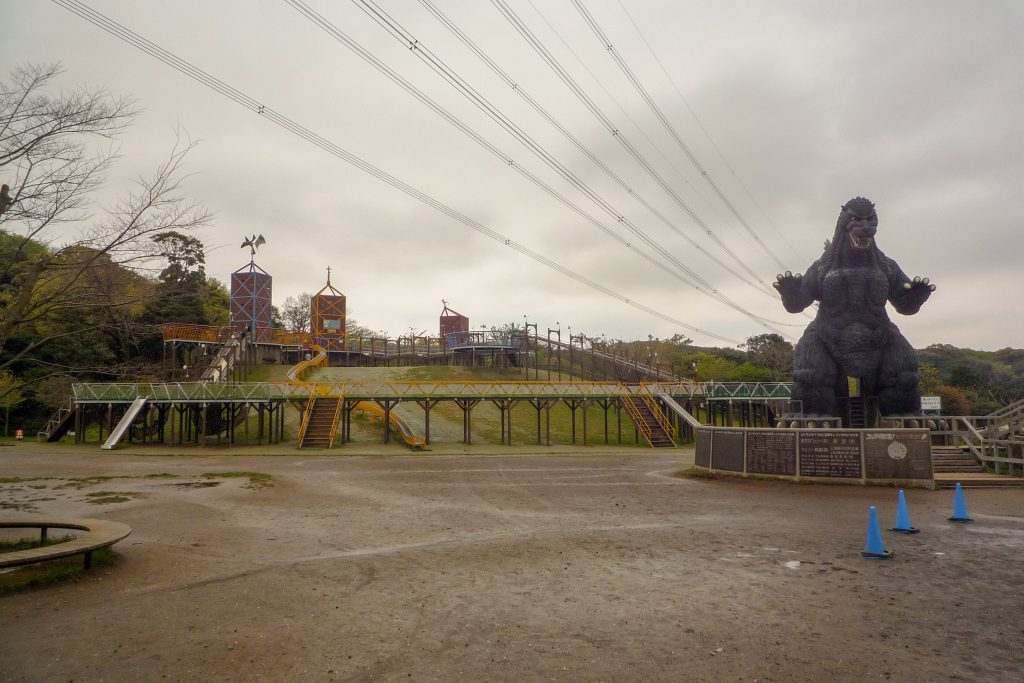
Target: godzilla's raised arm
[[798, 291], [906, 295]]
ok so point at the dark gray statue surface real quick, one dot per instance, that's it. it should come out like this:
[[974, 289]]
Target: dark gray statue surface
[[851, 335]]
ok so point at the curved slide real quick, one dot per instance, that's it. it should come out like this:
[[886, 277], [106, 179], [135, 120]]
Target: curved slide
[[397, 421]]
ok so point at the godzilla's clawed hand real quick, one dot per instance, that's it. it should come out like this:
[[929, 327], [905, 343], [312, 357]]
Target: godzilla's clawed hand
[[919, 283], [789, 284], [916, 292]]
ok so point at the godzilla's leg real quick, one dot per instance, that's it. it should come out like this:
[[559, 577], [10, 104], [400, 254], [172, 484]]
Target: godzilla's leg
[[815, 373], [898, 391]]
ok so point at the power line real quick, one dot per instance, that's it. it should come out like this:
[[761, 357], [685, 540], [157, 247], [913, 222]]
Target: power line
[[555, 123], [704, 130], [692, 278], [566, 78], [127, 35], [673, 133], [519, 90], [652, 145]]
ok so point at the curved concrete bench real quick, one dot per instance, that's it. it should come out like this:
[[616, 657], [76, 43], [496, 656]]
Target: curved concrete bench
[[99, 534]]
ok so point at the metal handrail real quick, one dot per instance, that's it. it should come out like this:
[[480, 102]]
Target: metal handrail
[[53, 422], [305, 418], [262, 391], [638, 420], [659, 414], [748, 389], [334, 422]]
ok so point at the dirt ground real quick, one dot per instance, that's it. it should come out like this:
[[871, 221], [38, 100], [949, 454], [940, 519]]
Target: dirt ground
[[579, 565]]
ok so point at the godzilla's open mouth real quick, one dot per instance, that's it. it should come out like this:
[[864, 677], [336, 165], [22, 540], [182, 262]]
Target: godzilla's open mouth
[[860, 242]]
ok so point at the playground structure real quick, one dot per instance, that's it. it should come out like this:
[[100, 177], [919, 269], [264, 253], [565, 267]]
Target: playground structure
[[205, 396]]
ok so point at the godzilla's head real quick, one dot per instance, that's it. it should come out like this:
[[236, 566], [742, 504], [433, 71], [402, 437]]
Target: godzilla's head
[[857, 223]]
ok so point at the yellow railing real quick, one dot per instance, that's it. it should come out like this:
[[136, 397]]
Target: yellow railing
[[289, 338], [335, 421], [638, 419], [305, 417], [659, 414]]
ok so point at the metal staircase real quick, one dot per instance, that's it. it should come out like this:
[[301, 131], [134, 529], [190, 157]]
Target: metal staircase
[[320, 423], [58, 425], [857, 412], [652, 423]]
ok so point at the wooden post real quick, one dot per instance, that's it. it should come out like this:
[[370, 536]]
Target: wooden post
[[584, 404]]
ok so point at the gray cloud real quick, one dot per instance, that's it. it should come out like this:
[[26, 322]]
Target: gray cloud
[[917, 105]]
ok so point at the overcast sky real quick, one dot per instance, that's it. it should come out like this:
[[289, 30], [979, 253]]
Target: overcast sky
[[918, 106]]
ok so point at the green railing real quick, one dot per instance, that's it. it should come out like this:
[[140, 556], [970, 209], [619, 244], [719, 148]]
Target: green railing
[[747, 389], [264, 391]]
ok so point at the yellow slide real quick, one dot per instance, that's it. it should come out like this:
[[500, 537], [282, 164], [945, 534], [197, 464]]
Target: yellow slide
[[397, 421]]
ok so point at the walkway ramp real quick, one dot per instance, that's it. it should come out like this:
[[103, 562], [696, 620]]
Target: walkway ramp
[[119, 431]]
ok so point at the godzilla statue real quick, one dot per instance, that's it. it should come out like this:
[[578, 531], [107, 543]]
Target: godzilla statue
[[851, 335]]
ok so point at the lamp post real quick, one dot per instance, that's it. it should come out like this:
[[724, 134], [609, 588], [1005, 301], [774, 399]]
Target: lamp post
[[526, 330], [558, 333]]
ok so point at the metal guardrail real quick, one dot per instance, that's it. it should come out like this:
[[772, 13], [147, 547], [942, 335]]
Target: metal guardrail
[[265, 391], [779, 390], [186, 392]]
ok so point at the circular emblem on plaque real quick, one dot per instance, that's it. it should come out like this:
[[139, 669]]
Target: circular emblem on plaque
[[897, 450]]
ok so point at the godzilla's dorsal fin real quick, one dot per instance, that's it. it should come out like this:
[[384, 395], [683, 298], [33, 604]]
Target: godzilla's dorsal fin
[[828, 243]]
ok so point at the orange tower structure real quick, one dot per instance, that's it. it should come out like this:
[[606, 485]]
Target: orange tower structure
[[327, 317]]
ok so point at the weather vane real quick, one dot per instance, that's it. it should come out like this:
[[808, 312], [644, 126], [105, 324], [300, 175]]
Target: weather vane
[[254, 243]]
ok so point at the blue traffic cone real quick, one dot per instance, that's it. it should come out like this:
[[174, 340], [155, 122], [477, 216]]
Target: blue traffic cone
[[873, 549], [903, 517], [959, 507]]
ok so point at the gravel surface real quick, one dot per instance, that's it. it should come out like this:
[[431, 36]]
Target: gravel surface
[[581, 565]]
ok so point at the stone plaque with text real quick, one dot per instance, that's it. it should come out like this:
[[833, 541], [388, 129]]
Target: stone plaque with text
[[727, 453], [898, 454], [771, 452], [829, 454]]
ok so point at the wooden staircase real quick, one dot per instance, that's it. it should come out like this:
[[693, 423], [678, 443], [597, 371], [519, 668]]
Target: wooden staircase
[[953, 464], [651, 428], [320, 423]]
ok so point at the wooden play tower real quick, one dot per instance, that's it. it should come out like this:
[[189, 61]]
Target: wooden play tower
[[452, 322], [251, 299], [327, 317]]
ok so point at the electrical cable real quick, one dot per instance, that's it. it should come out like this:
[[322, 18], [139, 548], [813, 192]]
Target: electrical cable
[[695, 280], [571, 83], [588, 18], [707, 134], [112, 27], [555, 123]]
